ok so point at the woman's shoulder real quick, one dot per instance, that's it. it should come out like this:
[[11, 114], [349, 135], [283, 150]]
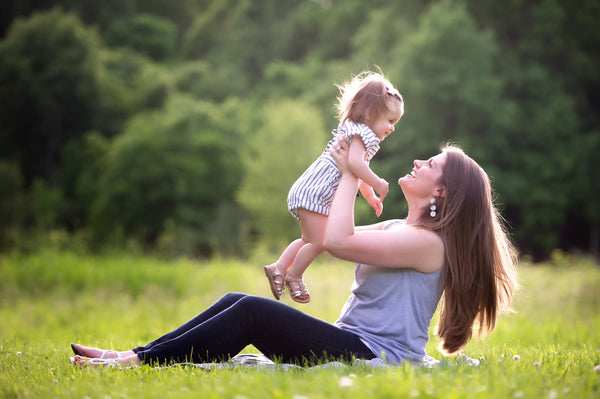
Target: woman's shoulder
[[427, 235], [392, 224], [425, 248]]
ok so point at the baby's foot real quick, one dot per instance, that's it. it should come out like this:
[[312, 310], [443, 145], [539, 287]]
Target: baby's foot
[[276, 280], [297, 289]]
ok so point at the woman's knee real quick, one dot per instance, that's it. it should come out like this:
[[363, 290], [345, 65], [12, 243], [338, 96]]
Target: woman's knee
[[232, 297], [255, 305]]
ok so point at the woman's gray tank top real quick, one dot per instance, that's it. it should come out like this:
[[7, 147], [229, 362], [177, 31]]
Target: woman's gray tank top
[[390, 309]]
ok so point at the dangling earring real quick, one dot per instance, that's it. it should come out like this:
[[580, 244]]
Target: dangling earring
[[432, 208]]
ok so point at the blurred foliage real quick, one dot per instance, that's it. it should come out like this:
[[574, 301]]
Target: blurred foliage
[[128, 84], [12, 201], [145, 33], [289, 139], [450, 64], [175, 165], [48, 90], [181, 125]]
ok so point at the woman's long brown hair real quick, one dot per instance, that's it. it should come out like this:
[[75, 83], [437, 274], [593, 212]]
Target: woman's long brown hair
[[480, 259]]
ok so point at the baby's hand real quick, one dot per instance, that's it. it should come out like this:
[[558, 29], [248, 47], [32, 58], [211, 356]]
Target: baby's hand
[[382, 189], [377, 205]]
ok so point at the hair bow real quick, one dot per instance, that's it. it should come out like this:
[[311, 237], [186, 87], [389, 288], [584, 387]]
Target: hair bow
[[393, 92]]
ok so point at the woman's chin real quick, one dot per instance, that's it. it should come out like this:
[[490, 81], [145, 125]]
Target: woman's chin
[[404, 179]]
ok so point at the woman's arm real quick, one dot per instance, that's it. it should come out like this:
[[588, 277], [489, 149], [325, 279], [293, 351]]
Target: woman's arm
[[374, 226], [406, 247]]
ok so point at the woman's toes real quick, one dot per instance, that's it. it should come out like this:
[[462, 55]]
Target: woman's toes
[[94, 353]]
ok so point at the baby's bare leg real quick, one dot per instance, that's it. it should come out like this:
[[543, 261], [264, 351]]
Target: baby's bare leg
[[288, 255], [313, 231]]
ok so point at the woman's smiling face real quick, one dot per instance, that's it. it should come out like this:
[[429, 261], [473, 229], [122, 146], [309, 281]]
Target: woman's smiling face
[[422, 181]]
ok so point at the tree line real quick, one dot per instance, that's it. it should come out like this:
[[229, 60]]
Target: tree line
[[181, 125]]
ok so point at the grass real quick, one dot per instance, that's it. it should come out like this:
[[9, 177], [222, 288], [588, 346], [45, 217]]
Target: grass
[[548, 348]]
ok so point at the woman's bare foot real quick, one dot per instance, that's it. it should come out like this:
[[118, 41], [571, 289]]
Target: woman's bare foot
[[95, 353], [127, 361]]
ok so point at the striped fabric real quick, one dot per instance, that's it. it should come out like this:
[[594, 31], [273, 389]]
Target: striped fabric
[[315, 188], [368, 137]]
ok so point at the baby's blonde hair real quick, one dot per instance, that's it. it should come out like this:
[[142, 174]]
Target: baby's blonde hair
[[367, 96]]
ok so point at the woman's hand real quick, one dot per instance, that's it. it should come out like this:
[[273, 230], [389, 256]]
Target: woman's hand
[[340, 152]]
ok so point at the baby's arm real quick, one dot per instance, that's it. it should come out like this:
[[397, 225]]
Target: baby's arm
[[359, 168], [369, 194]]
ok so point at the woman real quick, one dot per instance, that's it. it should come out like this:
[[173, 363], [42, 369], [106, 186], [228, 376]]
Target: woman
[[451, 243]]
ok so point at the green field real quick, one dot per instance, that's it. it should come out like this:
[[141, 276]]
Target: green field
[[548, 348]]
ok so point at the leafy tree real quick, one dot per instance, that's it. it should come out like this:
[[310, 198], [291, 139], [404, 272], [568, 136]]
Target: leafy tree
[[539, 159], [289, 139], [179, 12], [583, 225], [45, 204], [206, 81], [100, 13], [230, 33], [514, 83], [11, 201], [147, 34], [199, 39], [129, 83], [176, 165], [312, 82], [374, 39], [445, 72], [251, 34], [550, 63], [47, 88], [80, 171]]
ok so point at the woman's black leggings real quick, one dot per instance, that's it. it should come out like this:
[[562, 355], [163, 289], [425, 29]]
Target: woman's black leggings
[[279, 331]]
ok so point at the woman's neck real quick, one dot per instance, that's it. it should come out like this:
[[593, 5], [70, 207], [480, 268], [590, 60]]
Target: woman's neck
[[412, 219], [415, 210]]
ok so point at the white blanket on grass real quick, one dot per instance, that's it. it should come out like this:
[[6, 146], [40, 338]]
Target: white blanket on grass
[[262, 362]]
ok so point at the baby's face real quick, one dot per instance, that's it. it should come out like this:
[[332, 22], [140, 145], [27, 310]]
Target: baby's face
[[385, 124]]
